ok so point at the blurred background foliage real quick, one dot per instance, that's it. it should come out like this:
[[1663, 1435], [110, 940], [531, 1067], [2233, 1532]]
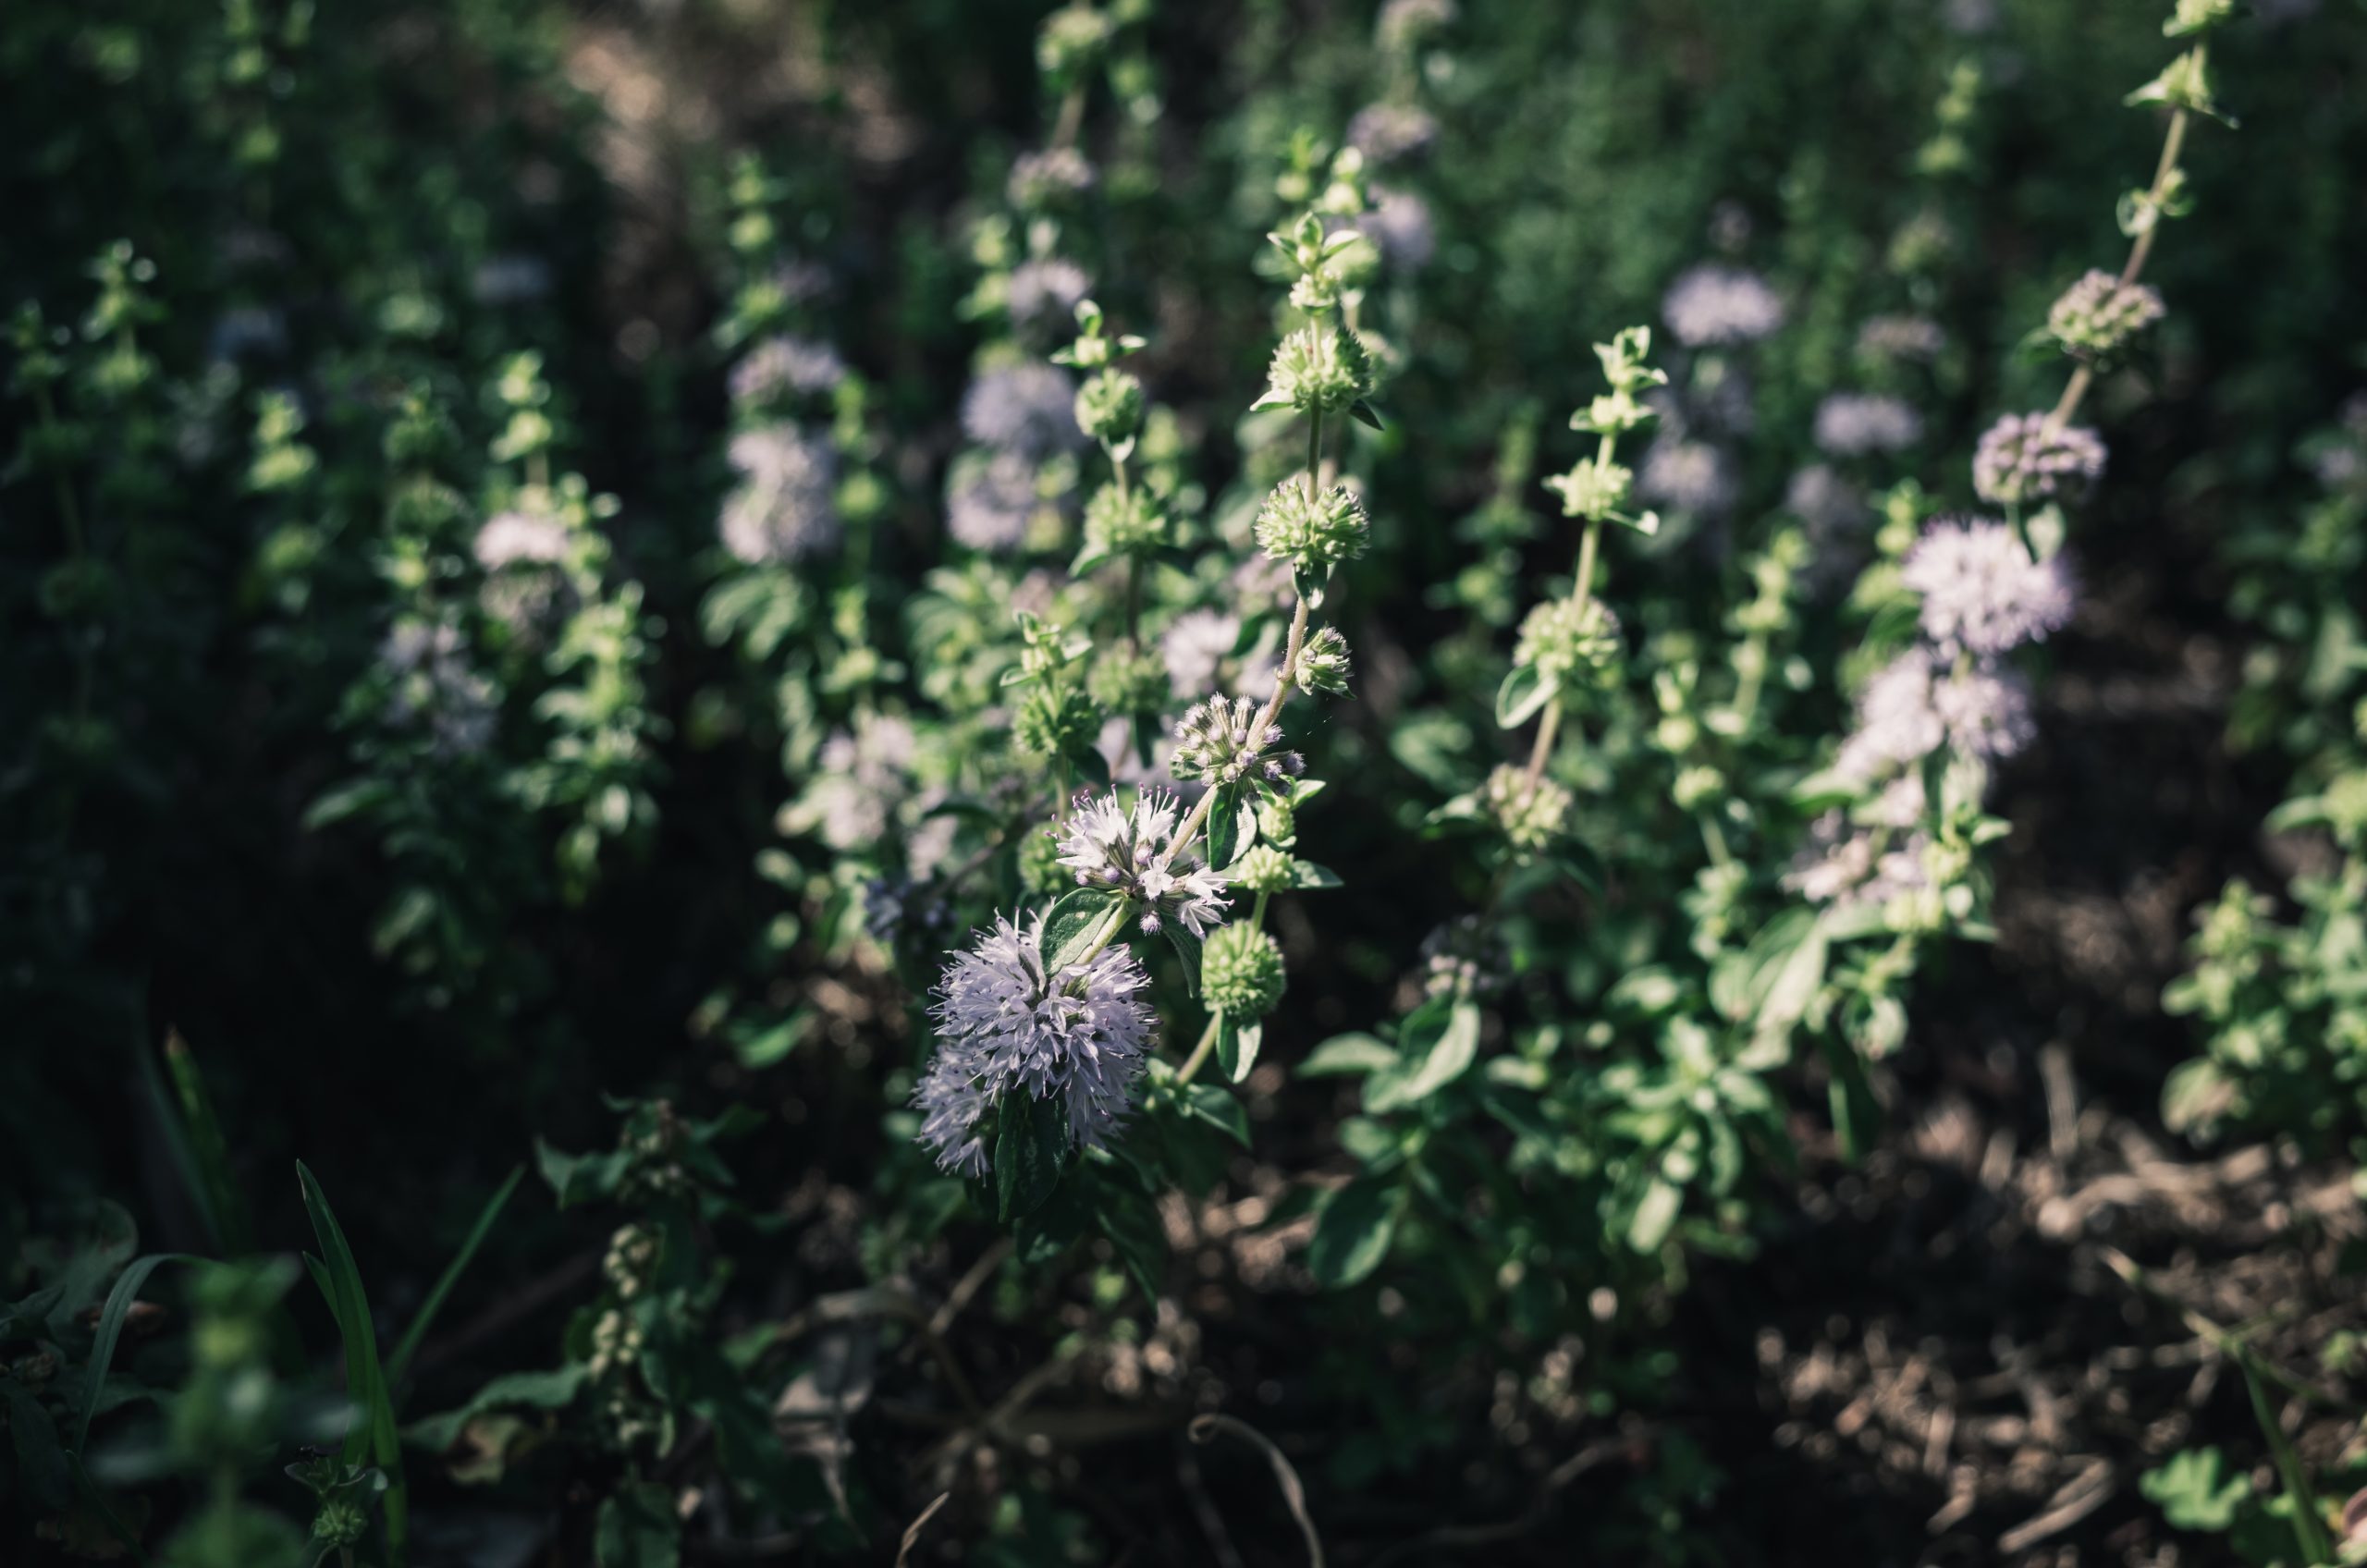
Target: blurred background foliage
[[354, 205]]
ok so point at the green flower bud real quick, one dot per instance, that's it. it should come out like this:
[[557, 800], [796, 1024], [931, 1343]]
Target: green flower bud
[[1125, 522], [1055, 725], [1321, 366], [1564, 638], [1241, 972], [1530, 813], [1071, 44], [1277, 820], [1040, 870], [1696, 786], [1266, 869], [1129, 682], [340, 1523], [1110, 406], [1323, 664], [1595, 488], [1312, 534]]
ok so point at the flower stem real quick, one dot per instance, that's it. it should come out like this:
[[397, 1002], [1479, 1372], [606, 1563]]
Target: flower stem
[[2142, 247], [1191, 1067], [1590, 546]]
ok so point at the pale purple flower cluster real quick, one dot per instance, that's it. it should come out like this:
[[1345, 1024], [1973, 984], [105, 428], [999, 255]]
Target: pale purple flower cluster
[[1008, 1024], [1901, 337], [1196, 643], [1831, 504], [432, 685], [989, 498], [1042, 295], [1386, 132], [1223, 743], [1399, 227], [784, 367], [1920, 702], [1844, 864], [1049, 178], [2028, 458], [1982, 592], [1686, 475], [520, 538], [1029, 409], [1127, 851], [1850, 425], [863, 775], [1714, 305], [785, 505]]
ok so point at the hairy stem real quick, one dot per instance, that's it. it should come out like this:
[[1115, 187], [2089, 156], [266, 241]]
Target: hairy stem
[[2165, 171]]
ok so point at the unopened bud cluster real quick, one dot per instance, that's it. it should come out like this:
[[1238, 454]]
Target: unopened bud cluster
[[1224, 743], [1241, 971]]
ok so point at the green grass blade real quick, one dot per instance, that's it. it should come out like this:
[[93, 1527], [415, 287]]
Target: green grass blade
[[398, 1364], [341, 1281], [2307, 1525], [107, 1515], [172, 1126], [111, 1316], [210, 1150]]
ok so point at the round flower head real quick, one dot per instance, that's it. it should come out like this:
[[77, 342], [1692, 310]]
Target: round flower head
[[1465, 960], [1919, 702], [1042, 295], [1124, 681], [1124, 522], [1108, 846], [1319, 366], [1690, 476], [1561, 637], [1007, 1025], [1530, 812], [990, 497], [1323, 664], [2100, 315], [2024, 459], [521, 539], [781, 367], [785, 505], [1028, 408], [1222, 741], [1829, 504], [1048, 178], [1241, 972], [1901, 337], [1110, 406], [1981, 591], [1399, 226], [1386, 133], [1850, 425], [1714, 306], [1313, 534], [1196, 645]]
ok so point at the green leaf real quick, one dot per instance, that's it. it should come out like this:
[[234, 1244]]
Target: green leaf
[[1438, 1046], [1187, 948], [1217, 1108], [405, 1348], [1364, 415], [2194, 1491], [1131, 1221], [636, 1528], [2307, 1524], [1306, 876], [1031, 1151], [1344, 1055], [1352, 1231], [1237, 1047], [1232, 825], [1655, 1214], [226, 1215], [534, 1390], [1071, 925], [110, 1330], [579, 1178], [1523, 696], [1857, 1115], [365, 1382], [1054, 1227]]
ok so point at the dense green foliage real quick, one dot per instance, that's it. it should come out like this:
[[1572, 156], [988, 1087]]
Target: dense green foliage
[[1162, 725]]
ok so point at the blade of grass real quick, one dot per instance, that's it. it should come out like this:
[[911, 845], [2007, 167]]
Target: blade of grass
[[111, 1316], [2308, 1525], [107, 1515], [398, 1364], [209, 1149], [172, 1129], [341, 1281]]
